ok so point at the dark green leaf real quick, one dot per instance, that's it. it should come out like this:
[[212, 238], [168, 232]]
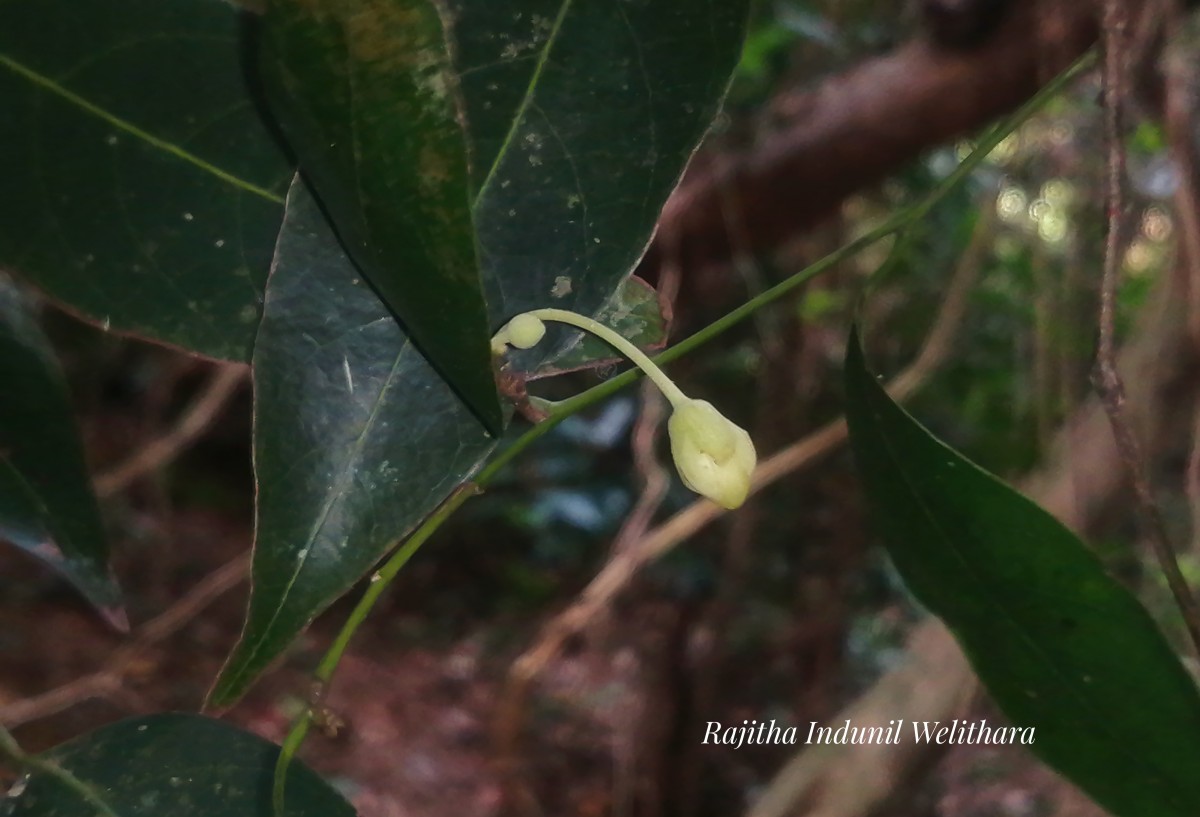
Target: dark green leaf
[[140, 187], [46, 503], [356, 439], [581, 116], [177, 765], [367, 95], [600, 106], [1061, 646]]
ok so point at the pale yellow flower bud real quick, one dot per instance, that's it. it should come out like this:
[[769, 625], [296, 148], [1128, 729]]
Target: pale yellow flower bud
[[714, 456], [524, 332]]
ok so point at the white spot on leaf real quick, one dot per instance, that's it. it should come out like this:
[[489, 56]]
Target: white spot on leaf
[[561, 288]]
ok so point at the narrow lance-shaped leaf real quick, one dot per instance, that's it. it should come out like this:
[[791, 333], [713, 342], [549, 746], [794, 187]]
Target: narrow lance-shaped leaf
[[46, 503], [367, 95], [616, 115], [1060, 645], [181, 765], [141, 188]]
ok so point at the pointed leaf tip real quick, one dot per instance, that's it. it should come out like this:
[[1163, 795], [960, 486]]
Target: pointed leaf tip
[[1065, 650], [47, 507]]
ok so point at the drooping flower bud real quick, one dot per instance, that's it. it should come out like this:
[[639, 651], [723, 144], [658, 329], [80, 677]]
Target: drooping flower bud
[[715, 457]]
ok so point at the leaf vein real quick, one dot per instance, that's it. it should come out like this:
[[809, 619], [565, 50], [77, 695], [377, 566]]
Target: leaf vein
[[48, 85]]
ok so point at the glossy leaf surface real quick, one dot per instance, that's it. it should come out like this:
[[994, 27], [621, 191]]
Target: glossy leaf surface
[[581, 117], [179, 765], [369, 99], [1061, 646], [141, 188], [357, 438], [355, 472], [46, 503]]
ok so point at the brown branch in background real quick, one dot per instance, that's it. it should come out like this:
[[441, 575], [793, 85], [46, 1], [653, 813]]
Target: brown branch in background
[[656, 480], [107, 681], [195, 420], [620, 570], [933, 683], [709, 635], [1105, 377], [855, 129]]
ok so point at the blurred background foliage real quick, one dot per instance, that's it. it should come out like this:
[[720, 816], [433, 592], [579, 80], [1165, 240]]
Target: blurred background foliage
[[787, 611]]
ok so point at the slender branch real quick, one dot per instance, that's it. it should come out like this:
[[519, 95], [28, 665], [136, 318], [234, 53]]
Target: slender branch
[[1077, 482], [108, 679], [380, 579], [196, 419], [897, 223], [655, 478], [620, 570], [1105, 377], [852, 129]]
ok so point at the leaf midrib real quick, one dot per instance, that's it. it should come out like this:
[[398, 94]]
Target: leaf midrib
[[331, 500], [526, 99], [52, 87]]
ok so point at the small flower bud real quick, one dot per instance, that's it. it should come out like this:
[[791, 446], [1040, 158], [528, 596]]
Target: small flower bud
[[526, 331], [714, 456]]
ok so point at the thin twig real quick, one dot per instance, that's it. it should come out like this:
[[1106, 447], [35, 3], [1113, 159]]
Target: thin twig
[[619, 572], [1105, 377], [896, 224], [656, 480], [1076, 484], [195, 420], [108, 680]]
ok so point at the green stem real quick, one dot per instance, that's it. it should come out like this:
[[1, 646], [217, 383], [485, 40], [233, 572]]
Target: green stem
[[10, 748], [383, 577], [291, 745], [380, 579], [621, 344], [897, 223]]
